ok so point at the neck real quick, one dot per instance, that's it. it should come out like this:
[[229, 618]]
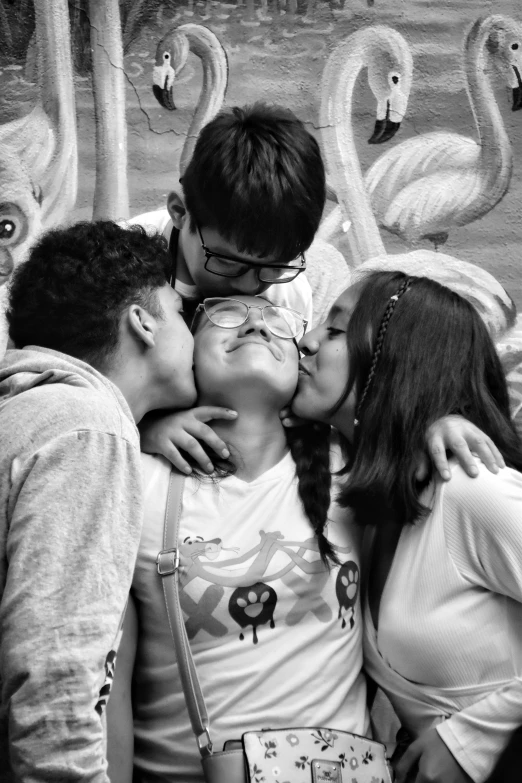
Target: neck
[[339, 77], [495, 148], [134, 386], [55, 80], [204, 44], [256, 439]]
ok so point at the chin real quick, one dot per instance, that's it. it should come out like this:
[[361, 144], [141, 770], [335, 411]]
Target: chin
[[185, 398]]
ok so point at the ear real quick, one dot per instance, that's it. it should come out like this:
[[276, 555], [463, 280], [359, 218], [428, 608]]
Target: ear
[[142, 325], [177, 210]]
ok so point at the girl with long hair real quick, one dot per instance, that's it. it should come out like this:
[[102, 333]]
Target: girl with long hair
[[442, 587]]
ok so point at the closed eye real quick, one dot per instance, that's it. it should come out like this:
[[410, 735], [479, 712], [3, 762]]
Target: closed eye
[[333, 332]]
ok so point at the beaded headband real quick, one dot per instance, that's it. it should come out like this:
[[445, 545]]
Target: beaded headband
[[379, 342]]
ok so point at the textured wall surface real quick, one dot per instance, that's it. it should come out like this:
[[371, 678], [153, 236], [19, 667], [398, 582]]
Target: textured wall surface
[[277, 52]]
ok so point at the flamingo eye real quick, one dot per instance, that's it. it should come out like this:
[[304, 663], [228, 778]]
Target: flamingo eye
[[394, 78], [13, 225], [166, 56], [514, 46], [7, 229]]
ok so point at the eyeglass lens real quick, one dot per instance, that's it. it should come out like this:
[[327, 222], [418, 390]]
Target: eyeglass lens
[[228, 314], [268, 274]]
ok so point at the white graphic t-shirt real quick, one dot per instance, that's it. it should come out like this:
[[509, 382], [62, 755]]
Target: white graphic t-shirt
[[275, 635]]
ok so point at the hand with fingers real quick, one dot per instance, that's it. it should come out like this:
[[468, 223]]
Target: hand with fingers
[[428, 760], [463, 440], [288, 419], [186, 431]]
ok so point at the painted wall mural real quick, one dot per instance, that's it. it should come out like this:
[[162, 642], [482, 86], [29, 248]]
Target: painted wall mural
[[101, 102]]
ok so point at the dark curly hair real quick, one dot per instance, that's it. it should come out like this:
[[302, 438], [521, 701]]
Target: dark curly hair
[[71, 292], [258, 178]]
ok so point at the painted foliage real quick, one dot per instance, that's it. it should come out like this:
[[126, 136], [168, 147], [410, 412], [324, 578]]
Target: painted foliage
[[101, 102]]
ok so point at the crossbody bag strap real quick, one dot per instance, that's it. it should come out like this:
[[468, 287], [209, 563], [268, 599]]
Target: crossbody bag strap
[[168, 566]]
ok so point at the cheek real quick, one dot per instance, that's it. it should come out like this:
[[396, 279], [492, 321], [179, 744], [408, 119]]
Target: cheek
[[206, 353], [332, 368]]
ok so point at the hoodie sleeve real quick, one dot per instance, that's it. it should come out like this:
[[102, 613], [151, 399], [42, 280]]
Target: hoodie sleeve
[[74, 524]]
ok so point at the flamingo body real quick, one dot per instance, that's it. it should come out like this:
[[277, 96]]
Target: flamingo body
[[478, 286], [430, 184]]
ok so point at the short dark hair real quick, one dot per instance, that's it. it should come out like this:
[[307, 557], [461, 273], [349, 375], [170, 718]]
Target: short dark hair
[[258, 178], [77, 281], [437, 358]]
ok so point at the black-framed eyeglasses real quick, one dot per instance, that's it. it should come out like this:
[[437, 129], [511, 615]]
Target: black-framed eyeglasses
[[225, 266], [230, 313]]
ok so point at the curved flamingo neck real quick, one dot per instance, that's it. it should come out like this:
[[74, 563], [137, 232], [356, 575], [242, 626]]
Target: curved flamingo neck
[[55, 74], [55, 81], [495, 148], [206, 46], [338, 83]]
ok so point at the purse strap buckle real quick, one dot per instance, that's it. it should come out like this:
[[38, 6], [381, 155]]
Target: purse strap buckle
[[167, 561], [205, 744]]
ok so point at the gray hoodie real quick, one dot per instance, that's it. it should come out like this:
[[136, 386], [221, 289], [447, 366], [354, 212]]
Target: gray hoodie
[[70, 521]]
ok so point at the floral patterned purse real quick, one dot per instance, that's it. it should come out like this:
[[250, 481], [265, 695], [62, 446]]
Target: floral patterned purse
[[293, 755]]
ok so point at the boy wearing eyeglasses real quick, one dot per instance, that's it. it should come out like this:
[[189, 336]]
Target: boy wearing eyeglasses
[[248, 207]]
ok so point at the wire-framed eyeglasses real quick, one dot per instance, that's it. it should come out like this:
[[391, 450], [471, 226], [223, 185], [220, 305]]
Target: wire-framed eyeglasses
[[225, 266], [230, 313]]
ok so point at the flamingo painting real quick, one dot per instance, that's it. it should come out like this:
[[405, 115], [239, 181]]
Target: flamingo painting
[[477, 285], [171, 56], [386, 55], [38, 152], [432, 183]]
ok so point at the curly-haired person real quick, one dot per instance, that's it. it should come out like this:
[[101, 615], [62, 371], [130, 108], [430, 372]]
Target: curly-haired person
[[99, 341]]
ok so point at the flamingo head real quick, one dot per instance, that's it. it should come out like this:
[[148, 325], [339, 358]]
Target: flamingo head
[[20, 215], [504, 44], [390, 70], [171, 56]]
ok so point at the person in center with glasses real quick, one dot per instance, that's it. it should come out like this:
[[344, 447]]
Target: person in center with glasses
[[271, 602], [269, 568]]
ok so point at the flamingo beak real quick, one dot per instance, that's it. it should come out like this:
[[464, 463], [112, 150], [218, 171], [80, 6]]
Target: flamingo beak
[[517, 92], [384, 129], [162, 87], [164, 97]]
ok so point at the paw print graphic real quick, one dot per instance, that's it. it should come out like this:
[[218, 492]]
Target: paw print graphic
[[253, 605], [347, 590]]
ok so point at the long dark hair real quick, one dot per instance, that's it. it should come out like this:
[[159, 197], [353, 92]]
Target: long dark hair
[[436, 359]]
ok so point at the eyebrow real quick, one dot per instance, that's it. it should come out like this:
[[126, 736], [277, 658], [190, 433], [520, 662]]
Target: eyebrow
[[335, 310]]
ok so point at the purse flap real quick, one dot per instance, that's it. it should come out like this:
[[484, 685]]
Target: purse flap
[[314, 755]]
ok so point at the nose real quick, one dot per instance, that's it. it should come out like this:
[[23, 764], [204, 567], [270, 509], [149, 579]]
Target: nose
[[309, 344], [255, 325], [248, 283]]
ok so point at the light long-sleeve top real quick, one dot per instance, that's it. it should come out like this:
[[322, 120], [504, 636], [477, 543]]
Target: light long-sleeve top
[[70, 522], [448, 650]]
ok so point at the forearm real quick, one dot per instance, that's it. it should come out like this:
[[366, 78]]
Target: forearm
[[477, 735]]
